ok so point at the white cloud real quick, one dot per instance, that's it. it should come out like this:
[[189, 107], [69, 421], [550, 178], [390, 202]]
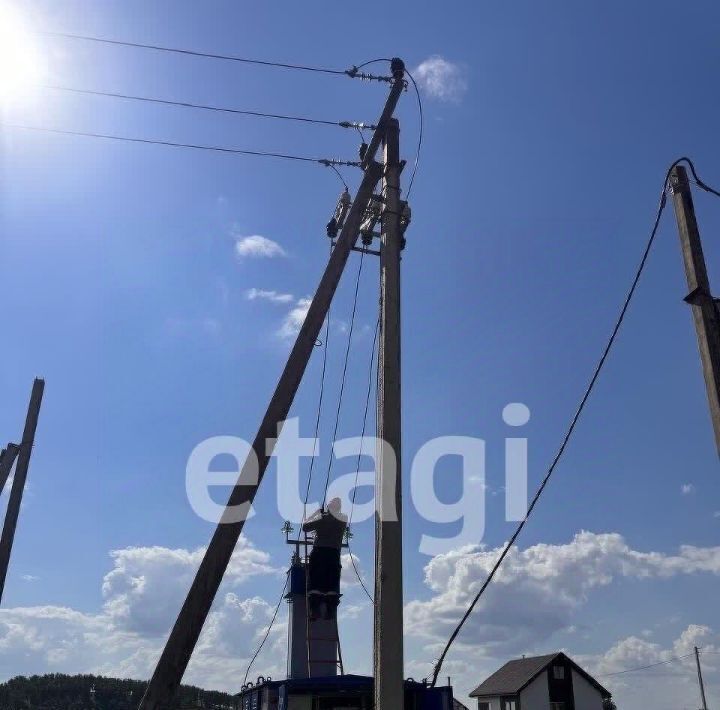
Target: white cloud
[[671, 684], [143, 593], [255, 294], [29, 578], [540, 592], [349, 578], [687, 488], [295, 318], [258, 246], [441, 79], [537, 591], [147, 585]]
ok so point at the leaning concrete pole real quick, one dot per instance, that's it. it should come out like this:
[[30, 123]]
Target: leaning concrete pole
[[388, 620], [18, 486], [704, 307], [175, 657]]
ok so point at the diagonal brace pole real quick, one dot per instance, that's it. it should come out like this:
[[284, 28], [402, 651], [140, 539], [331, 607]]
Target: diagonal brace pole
[[23, 462], [176, 655]]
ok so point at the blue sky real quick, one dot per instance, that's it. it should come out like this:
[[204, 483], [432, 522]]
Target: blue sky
[[539, 180]]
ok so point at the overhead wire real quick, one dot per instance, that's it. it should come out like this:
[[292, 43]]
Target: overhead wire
[[421, 120], [202, 107], [343, 377], [318, 416], [195, 53], [700, 183], [357, 468], [644, 668], [327, 162], [267, 633], [571, 428], [339, 174], [420, 135]]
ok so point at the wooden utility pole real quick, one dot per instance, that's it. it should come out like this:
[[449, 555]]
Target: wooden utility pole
[[700, 678], [166, 679], [704, 307], [388, 620], [18, 486]]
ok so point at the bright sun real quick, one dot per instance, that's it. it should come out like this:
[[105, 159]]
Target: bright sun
[[21, 66]]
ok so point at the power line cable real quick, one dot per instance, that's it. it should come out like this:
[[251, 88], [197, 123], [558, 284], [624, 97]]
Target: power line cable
[[267, 633], [207, 107], [354, 71], [344, 374], [327, 162], [420, 135], [357, 469], [194, 53], [576, 417], [644, 668], [339, 174], [420, 115], [319, 414], [696, 177]]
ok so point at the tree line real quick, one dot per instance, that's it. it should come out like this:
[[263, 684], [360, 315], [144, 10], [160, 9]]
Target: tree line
[[88, 692]]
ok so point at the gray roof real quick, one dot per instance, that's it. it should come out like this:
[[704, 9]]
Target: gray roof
[[515, 675]]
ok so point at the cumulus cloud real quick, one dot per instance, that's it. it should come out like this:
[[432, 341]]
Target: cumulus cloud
[[687, 488], [541, 590], [259, 294], [441, 79], [295, 318], [538, 589], [258, 247], [143, 592], [668, 685], [147, 585], [349, 577]]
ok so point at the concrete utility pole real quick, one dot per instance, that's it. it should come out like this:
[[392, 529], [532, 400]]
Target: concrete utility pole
[[700, 679], [166, 679], [388, 620], [18, 486], [704, 307]]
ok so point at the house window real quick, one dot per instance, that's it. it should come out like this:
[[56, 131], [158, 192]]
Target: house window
[[558, 673], [482, 705], [557, 706], [508, 704]]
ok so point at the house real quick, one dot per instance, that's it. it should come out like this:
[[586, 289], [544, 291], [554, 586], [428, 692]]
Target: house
[[552, 682]]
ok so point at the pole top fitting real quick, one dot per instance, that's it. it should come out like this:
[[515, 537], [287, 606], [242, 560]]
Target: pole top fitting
[[678, 178], [397, 67]]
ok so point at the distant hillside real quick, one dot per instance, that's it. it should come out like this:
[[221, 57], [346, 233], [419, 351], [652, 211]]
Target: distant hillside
[[66, 692]]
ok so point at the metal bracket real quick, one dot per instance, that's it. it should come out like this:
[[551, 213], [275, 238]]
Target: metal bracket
[[699, 297]]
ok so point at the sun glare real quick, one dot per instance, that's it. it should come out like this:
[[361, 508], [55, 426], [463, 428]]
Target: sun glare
[[21, 66]]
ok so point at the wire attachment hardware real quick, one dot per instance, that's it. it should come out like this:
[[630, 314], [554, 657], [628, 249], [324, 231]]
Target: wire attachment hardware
[[341, 212], [357, 124], [329, 162], [355, 73]]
